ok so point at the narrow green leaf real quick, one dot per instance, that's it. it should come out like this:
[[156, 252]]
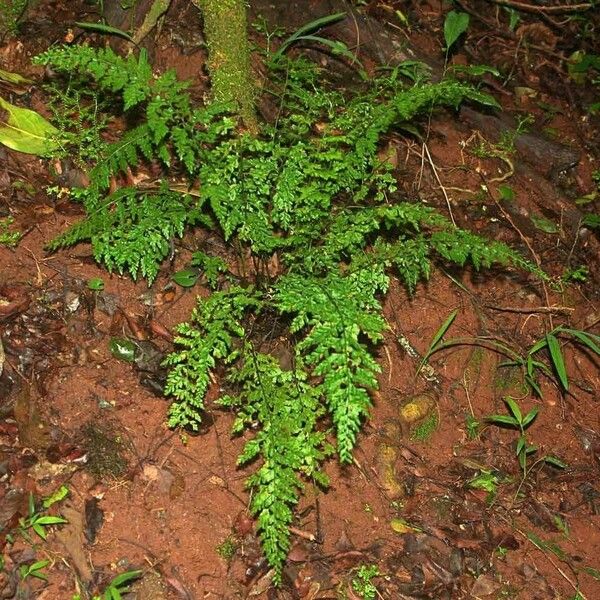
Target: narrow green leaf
[[455, 25], [534, 385], [538, 346], [442, 330], [39, 530], [514, 408], [520, 444], [475, 70], [25, 130], [588, 339], [122, 578], [39, 575], [555, 462], [557, 359], [595, 573], [544, 224], [50, 520], [503, 420], [309, 28], [105, 29], [530, 417], [61, 493]]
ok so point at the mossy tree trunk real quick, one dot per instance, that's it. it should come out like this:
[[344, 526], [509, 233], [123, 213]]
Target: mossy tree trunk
[[225, 28]]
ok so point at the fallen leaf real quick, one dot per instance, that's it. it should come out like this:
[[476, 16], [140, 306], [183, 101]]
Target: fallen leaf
[[25, 130]]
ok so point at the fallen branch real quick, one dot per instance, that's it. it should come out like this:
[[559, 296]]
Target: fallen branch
[[563, 8]]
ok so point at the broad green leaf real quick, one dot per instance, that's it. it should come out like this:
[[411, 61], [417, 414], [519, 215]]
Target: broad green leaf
[[105, 29], [455, 25], [592, 220], [482, 98], [96, 284], [186, 277], [557, 359], [122, 349], [506, 192], [25, 130]]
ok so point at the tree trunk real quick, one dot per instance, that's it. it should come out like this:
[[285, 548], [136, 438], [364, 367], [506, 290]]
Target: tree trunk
[[225, 29]]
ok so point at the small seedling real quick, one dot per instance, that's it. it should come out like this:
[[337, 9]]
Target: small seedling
[[472, 426], [7, 237], [516, 420], [487, 481], [120, 585], [527, 362], [34, 570], [362, 582], [37, 521]]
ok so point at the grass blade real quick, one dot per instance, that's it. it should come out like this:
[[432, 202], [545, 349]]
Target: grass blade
[[105, 29], [587, 339], [557, 359], [309, 28], [514, 409]]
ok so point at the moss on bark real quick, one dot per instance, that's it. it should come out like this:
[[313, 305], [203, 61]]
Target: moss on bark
[[225, 28]]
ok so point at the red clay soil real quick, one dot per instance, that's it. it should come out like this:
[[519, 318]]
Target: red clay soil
[[439, 505]]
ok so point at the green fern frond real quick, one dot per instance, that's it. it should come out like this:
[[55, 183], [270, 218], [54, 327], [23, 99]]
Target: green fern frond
[[131, 230], [112, 73], [208, 338], [339, 316], [286, 410]]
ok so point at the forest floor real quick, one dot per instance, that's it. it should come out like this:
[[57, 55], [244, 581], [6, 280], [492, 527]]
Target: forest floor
[[441, 507]]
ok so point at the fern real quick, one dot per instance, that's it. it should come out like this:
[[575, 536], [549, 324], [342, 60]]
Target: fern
[[216, 322], [337, 312], [131, 229], [309, 189], [286, 409]]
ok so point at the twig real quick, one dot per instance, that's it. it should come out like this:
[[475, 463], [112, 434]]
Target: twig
[[563, 8], [538, 309], [437, 177], [536, 258], [303, 534]]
